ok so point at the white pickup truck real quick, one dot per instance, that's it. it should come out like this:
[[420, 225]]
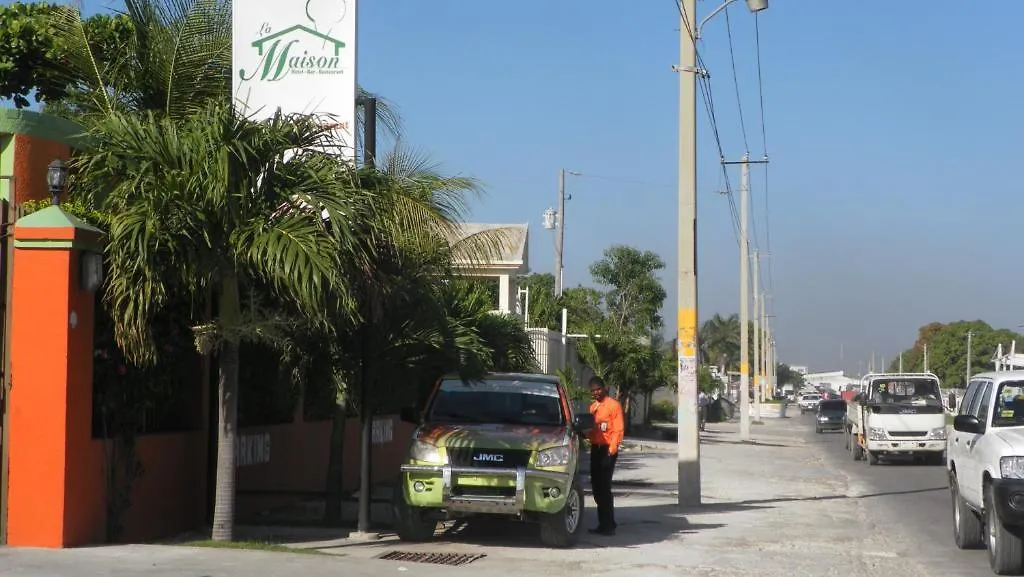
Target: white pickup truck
[[986, 469], [897, 414]]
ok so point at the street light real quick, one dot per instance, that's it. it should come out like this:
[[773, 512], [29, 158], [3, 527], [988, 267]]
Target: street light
[[57, 178], [689, 489]]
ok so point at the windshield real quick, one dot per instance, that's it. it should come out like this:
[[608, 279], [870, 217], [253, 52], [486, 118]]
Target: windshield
[[830, 406], [509, 402], [905, 390], [813, 397], [1009, 410]]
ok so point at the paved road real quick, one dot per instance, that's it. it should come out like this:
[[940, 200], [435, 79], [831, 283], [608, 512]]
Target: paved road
[[910, 496]]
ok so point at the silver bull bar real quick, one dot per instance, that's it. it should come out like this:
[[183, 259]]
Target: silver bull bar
[[479, 503]]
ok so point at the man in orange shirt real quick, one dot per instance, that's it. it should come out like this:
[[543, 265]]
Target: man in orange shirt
[[605, 439]]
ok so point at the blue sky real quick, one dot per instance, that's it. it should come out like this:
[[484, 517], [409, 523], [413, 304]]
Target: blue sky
[[892, 128], [893, 143]]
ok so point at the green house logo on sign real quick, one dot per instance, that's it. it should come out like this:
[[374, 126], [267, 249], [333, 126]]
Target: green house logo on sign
[[295, 50]]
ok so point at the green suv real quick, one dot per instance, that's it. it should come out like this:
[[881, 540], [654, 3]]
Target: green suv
[[507, 445]]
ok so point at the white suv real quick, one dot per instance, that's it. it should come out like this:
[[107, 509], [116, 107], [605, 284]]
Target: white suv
[[809, 402], [985, 460]]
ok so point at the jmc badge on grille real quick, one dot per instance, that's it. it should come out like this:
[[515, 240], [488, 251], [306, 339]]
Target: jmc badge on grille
[[489, 457]]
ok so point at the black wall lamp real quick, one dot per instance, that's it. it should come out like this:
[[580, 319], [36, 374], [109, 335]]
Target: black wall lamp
[[57, 178]]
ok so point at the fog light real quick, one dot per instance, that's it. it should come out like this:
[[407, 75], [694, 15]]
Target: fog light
[[419, 487], [553, 492]]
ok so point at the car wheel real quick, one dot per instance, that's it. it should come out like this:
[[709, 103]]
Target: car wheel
[[967, 531], [412, 523], [561, 530], [872, 457], [1005, 550]]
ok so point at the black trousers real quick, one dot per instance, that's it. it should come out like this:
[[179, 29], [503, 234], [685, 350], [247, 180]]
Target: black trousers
[[602, 466]]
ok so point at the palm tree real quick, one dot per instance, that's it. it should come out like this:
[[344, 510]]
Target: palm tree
[[205, 205], [720, 341]]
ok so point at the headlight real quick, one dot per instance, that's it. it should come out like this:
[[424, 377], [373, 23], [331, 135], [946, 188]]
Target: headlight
[[1011, 467], [423, 451], [822, 418], [553, 457], [938, 434], [876, 434]]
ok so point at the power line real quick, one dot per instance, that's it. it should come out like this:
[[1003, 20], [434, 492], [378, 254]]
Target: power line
[[764, 145], [736, 80]]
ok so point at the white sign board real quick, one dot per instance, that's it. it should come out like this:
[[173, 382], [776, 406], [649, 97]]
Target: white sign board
[[299, 56]]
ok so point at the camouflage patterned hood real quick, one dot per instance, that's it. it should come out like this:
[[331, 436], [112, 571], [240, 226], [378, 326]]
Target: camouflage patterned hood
[[492, 436]]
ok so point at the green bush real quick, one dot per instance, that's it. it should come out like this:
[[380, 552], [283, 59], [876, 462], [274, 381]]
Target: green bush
[[663, 411]]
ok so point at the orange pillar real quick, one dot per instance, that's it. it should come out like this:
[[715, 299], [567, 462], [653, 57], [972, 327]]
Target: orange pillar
[[55, 491]]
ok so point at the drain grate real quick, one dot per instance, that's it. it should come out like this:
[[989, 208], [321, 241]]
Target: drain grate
[[454, 559]]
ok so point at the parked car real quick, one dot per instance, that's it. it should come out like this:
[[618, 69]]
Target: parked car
[[506, 446], [831, 416], [985, 462]]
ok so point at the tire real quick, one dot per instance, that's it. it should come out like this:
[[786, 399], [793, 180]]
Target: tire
[[967, 531], [872, 458], [412, 523], [561, 530], [1005, 550]]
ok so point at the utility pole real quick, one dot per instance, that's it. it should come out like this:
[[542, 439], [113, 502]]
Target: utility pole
[[901, 362], [970, 336], [688, 431], [926, 357], [768, 388], [758, 328], [560, 242], [686, 418], [744, 303], [745, 293]]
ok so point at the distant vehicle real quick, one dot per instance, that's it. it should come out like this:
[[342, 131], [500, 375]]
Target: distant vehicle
[[831, 416], [897, 414], [986, 470], [808, 402]]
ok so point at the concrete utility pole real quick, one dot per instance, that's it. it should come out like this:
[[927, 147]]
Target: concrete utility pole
[[970, 336], [688, 429], [768, 389], [901, 362], [687, 371], [926, 358], [560, 239], [758, 327], [744, 302]]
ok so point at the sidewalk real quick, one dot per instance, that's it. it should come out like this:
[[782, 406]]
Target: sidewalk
[[771, 508]]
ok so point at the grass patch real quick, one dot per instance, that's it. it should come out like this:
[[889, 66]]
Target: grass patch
[[254, 545], [756, 422]]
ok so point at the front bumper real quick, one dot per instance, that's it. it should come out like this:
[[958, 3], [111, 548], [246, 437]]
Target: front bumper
[[521, 489], [830, 425], [1009, 501], [907, 446]]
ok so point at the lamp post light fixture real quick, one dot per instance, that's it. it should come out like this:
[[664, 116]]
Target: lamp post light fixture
[[57, 179]]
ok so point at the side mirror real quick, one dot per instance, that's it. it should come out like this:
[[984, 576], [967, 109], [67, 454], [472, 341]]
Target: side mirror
[[410, 415], [967, 424], [583, 423]]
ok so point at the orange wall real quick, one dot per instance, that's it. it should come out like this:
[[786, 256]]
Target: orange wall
[[297, 470], [31, 157]]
